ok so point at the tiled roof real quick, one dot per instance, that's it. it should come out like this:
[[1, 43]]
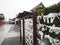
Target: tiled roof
[[25, 13], [38, 6]]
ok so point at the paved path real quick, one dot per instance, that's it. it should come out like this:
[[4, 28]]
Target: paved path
[[4, 29], [11, 41], [13, 36]]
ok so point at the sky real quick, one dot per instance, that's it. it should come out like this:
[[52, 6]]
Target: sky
[[10, 8]]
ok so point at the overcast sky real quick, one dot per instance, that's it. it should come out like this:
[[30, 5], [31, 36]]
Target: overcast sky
[[12, 7]]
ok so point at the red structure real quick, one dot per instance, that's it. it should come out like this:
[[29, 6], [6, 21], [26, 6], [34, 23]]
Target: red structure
[[2, 22]]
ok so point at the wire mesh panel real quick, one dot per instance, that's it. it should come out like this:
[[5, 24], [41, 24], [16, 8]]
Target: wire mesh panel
[[29, 31]]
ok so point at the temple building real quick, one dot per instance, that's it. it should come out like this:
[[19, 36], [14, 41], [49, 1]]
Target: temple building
[[38, 7]]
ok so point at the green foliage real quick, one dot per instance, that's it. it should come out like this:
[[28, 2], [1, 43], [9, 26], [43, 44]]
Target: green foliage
[[46, 31], [40, 11], [41, 20], [58, 36], [56, 22], [52, 9], [53, 35]]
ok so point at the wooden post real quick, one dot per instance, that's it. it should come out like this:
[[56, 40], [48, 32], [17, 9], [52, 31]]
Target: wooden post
[[20, 32], [35, 29], [23, 32]]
